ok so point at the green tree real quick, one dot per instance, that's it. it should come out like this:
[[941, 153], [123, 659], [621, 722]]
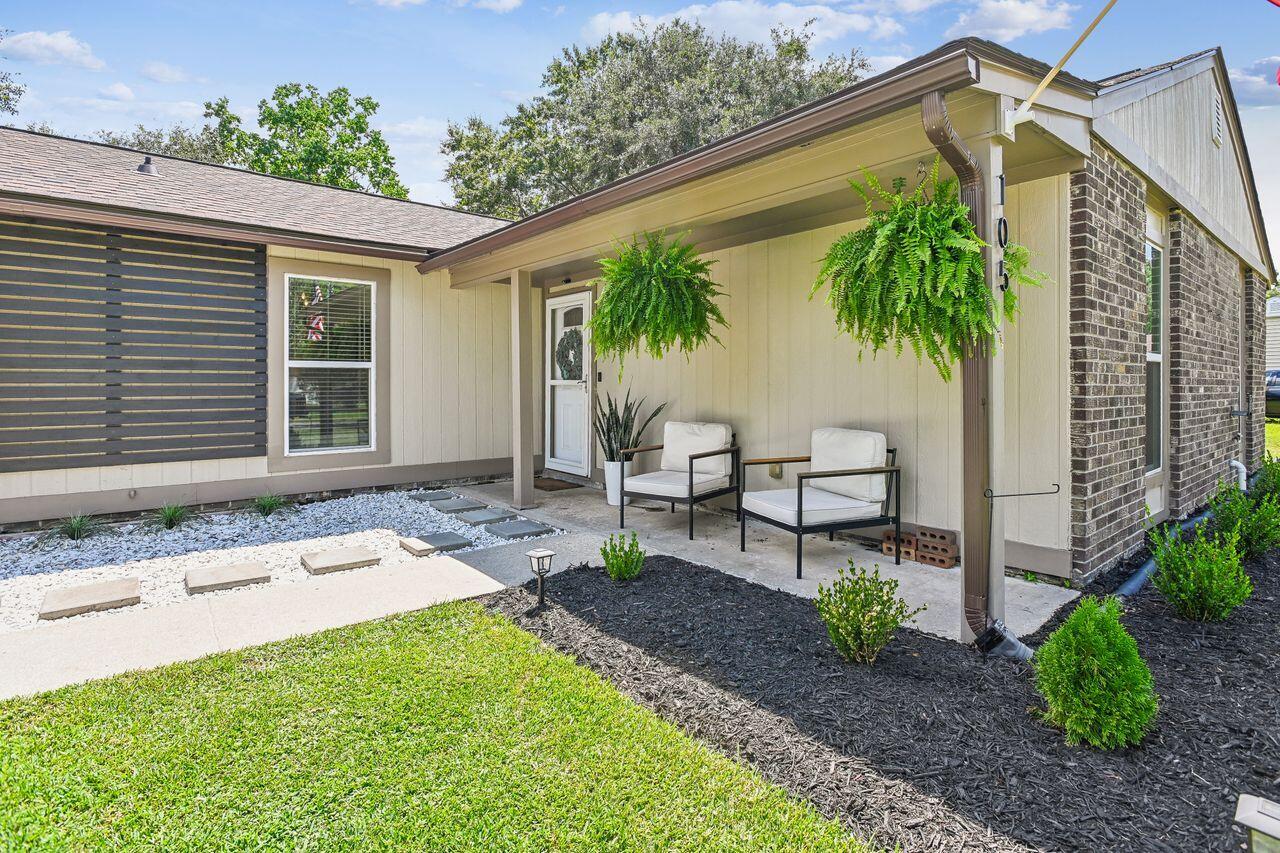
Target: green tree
[[10, 89], [203, 144], [630, 102], [325, 138]]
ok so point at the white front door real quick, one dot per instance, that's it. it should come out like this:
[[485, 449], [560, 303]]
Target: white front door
[[568, 367]]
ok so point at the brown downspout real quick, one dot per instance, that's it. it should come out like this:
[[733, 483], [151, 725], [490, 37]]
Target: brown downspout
[[975, 379]]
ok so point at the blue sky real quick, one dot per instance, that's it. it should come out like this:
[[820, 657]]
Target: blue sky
[[111, 65]]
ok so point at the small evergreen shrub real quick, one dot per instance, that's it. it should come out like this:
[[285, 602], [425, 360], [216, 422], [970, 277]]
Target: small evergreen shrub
[[1267, 481], [1256, 518], [1096, 685], [77, 527], [1200, 575], [265, 505], [862, 611], [623, 558], [170, 516]]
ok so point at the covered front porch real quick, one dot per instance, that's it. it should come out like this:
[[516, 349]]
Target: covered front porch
[[768, 561]]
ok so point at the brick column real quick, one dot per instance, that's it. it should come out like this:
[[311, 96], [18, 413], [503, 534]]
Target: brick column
[[1108, 305], [1255, 290]]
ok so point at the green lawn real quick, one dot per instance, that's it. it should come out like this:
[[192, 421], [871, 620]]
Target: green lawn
[[446, 729], [1273, 437]]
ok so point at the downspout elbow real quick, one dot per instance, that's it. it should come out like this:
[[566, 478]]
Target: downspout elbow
[[1242, 474]]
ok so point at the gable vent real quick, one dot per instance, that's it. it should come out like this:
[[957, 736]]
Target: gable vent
[[1217, 118]]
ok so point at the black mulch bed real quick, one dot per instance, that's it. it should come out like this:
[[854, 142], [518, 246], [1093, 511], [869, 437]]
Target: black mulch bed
[[934, 748]]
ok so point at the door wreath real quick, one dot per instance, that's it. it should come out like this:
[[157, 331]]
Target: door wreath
[[569, 354]]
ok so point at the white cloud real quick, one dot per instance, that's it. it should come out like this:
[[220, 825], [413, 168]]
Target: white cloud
[[1261, 128], [752, 19], [117, 92], [163, 72], [415, 143], [60, 48], [133, 110], [881, 64], [1006, 20], [1257, 83]]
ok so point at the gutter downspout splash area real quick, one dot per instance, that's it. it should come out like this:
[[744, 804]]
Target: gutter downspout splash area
[[992, 637]]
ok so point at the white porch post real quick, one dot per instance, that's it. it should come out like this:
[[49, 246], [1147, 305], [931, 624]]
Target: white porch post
[[522, 409]]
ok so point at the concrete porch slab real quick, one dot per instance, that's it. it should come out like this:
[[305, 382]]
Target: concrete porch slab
[[90, 598], [214, 578], [339, 560]]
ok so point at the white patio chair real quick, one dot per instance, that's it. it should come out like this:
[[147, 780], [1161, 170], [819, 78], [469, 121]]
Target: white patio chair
[[699, 462], [852, 479]]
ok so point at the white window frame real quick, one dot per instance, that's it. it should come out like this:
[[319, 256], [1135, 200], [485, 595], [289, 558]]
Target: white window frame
[[371, 365], [1155, 237]]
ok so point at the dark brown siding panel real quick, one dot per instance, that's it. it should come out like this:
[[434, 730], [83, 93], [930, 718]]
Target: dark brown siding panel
[[123, 346]]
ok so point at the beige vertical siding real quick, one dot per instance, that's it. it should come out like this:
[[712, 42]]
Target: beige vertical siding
[[1273, 343], [450, 387], [783, 371], [1175, 127]]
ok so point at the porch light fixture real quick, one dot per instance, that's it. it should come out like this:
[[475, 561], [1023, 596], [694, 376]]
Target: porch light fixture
[[540, 565], [1261, 820]]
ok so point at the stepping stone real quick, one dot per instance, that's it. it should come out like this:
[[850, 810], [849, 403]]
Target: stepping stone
[[339, 560], [214, 578], [417, 547], [488, 515], [90, 598], [457, 505], [437, 495], [446, 541], [518, 529]]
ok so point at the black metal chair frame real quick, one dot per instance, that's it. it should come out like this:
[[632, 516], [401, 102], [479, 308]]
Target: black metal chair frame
[[734, 487], [893, 476]]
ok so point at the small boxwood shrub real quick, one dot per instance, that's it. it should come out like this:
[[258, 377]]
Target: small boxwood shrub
[[1255, 516], [623, 558], [1200, 574], [1097, 686], [862, 612], [1267, 481]]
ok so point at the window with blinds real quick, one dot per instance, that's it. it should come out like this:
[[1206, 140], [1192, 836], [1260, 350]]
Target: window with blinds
[[330, 365]]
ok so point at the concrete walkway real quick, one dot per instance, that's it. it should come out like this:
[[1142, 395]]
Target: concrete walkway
[[76, 650]]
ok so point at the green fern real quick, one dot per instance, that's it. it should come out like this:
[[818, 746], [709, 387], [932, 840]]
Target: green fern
[[914, 276], [656, 296]]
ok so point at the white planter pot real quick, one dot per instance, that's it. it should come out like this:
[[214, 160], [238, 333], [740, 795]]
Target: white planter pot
[[614, 474]]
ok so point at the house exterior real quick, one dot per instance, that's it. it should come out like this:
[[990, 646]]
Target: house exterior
[[1129, 380]]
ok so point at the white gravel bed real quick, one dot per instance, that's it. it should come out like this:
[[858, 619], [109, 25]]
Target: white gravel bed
[[32, 565]]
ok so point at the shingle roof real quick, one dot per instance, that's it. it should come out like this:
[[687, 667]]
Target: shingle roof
[[1125, 77], [37, 164]]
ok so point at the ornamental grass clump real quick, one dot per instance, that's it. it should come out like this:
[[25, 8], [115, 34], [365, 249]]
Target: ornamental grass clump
[[656, 295], [77, 527], [1096, 685], [862, 612], [265, 505], [1200, 574], [170, 516], [1255, 517], [623, 558], [915, 274]]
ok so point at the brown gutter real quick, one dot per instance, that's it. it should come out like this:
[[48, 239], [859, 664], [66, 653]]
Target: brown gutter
[[975, 380], [93, 215], [951, 67]]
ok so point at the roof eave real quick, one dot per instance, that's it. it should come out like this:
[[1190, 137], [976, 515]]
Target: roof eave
[[951, 67]]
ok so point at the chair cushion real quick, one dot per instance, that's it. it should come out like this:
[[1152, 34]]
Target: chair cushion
[[681, 439], [819, 507], [673, 484], [834, 449]]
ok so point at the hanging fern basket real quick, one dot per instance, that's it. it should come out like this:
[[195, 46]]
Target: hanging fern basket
[[914, 276], [656, 295]]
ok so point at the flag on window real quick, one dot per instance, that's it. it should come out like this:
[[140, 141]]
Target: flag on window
[[315, 328]]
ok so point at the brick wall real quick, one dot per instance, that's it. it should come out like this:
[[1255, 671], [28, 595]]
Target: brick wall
[[1255, 435], [1108, 305], [1206, 285]]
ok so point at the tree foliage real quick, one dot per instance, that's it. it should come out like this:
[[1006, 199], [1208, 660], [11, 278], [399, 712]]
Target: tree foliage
[[10, 89], [655, 295], [311, 136], [201, 144], [630, 102], [915, 274]]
